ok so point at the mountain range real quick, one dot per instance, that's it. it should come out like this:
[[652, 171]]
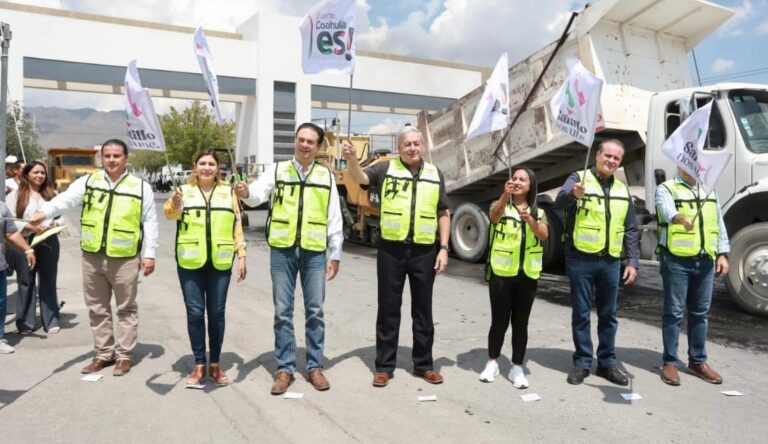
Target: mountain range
[[61, 127]]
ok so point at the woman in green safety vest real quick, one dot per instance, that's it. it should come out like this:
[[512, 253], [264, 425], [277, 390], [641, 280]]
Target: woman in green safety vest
[[513, 269], [208, 234]]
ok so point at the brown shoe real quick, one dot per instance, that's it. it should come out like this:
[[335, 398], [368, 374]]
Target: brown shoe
[[319, 380], [705, 372], [381, 379], [670, 375], [122, 367], [430, 376], [197, 375], [217, 375], [283, 380], [96, 365]]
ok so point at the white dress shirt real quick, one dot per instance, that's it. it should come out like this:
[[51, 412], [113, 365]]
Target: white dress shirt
[[74, 196], [260, 191]]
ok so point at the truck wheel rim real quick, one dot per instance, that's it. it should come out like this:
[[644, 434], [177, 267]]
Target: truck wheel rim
[[756, 268], [467, 233]]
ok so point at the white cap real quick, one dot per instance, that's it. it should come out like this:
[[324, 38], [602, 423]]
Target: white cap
[[11, 159]]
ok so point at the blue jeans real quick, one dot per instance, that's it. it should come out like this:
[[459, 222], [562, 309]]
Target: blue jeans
[[285, 264], [586, 272], [687, 288], [3, 300], [205, 288]]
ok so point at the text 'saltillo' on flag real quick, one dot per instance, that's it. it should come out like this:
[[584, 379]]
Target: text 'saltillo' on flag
[[492, 112], [686, 145], [327, 35], [142, 127], [575, 106]]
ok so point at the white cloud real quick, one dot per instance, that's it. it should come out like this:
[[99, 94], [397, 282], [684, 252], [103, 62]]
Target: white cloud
[[742, 14], [720, 66], [763, 28], [389, 126]]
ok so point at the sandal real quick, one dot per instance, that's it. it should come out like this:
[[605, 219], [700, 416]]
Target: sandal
[[197, 375]]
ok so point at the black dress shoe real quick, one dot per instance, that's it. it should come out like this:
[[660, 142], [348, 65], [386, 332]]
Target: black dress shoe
[[612, 374], [577, 375]]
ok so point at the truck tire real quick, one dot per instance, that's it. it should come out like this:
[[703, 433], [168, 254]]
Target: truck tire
[[375, 236], [747, 277], [469, 233], [553, 246]]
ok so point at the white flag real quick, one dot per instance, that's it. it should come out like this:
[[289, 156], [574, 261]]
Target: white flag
[[205, 59], [574, 107], [327, 33], [141, 123], [492, 112], [685, 147]]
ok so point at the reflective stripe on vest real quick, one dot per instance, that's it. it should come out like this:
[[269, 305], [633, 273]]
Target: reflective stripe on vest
[[298, 210], [206, 228], [706, 230], [111, 218], [505, 250], [599, 221], [410, 201]]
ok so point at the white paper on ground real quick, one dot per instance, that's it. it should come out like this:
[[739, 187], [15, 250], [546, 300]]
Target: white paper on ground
[[530, 397], [732, 393], [92, 378], [293, 395], [630, 396], [426, 398], [196, 386]]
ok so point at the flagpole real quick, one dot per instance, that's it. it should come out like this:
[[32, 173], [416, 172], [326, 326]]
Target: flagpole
[[232, 160], [168, 164], [349, 109]]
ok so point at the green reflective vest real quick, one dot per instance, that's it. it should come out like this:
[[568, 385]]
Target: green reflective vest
[[706, 230], [298, 212], [508, 235], [599, 220], [409, 203], [111, 217], [205, 231]]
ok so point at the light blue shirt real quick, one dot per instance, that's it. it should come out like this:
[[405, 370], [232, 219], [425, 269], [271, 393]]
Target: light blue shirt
[[665, 207]]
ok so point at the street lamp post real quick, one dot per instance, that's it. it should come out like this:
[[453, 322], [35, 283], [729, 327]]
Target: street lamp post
[[5, 29]]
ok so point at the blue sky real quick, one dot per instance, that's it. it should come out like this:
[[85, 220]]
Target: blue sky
[[453, 30]]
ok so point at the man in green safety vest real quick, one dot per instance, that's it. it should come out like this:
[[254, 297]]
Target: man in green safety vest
[[118, 216], [693, 247], [599, 227], [415, 224], [304, 222]]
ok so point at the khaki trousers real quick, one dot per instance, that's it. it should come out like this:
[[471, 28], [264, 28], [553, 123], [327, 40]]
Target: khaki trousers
[[103, 276]]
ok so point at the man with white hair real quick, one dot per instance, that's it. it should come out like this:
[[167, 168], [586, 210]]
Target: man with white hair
[[415, 224]]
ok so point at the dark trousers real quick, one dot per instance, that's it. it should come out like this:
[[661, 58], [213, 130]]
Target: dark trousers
[[396, 260], [511, 302], [47, 254], [205, 288]]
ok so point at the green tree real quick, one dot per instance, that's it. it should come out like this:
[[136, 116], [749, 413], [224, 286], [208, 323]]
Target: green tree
[[194, 128], [151, 161], [26, 131]]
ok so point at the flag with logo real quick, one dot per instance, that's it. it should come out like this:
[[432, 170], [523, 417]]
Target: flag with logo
[[685, 147], [575, 105], [327, 35], [492, 112], [205, 60], [142, 126]]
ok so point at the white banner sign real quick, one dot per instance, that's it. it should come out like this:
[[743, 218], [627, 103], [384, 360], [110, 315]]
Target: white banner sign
[[327, 35], [492, 112], [574, 107], [142, 126], [205, 60], [685, 147]]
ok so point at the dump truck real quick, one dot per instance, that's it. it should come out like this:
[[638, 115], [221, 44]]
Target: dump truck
[[67, 164], [640, 48]]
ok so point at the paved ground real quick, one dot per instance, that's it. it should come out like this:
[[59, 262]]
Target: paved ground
[[42, 398]]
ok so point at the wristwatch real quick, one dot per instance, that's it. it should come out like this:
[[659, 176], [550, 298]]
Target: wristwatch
[[444, 247]]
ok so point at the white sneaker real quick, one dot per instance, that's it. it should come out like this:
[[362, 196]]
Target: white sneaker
[[491, 371], [5, 348], [517, 375]]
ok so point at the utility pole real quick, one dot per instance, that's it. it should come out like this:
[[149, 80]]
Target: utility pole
[[5, 29]]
